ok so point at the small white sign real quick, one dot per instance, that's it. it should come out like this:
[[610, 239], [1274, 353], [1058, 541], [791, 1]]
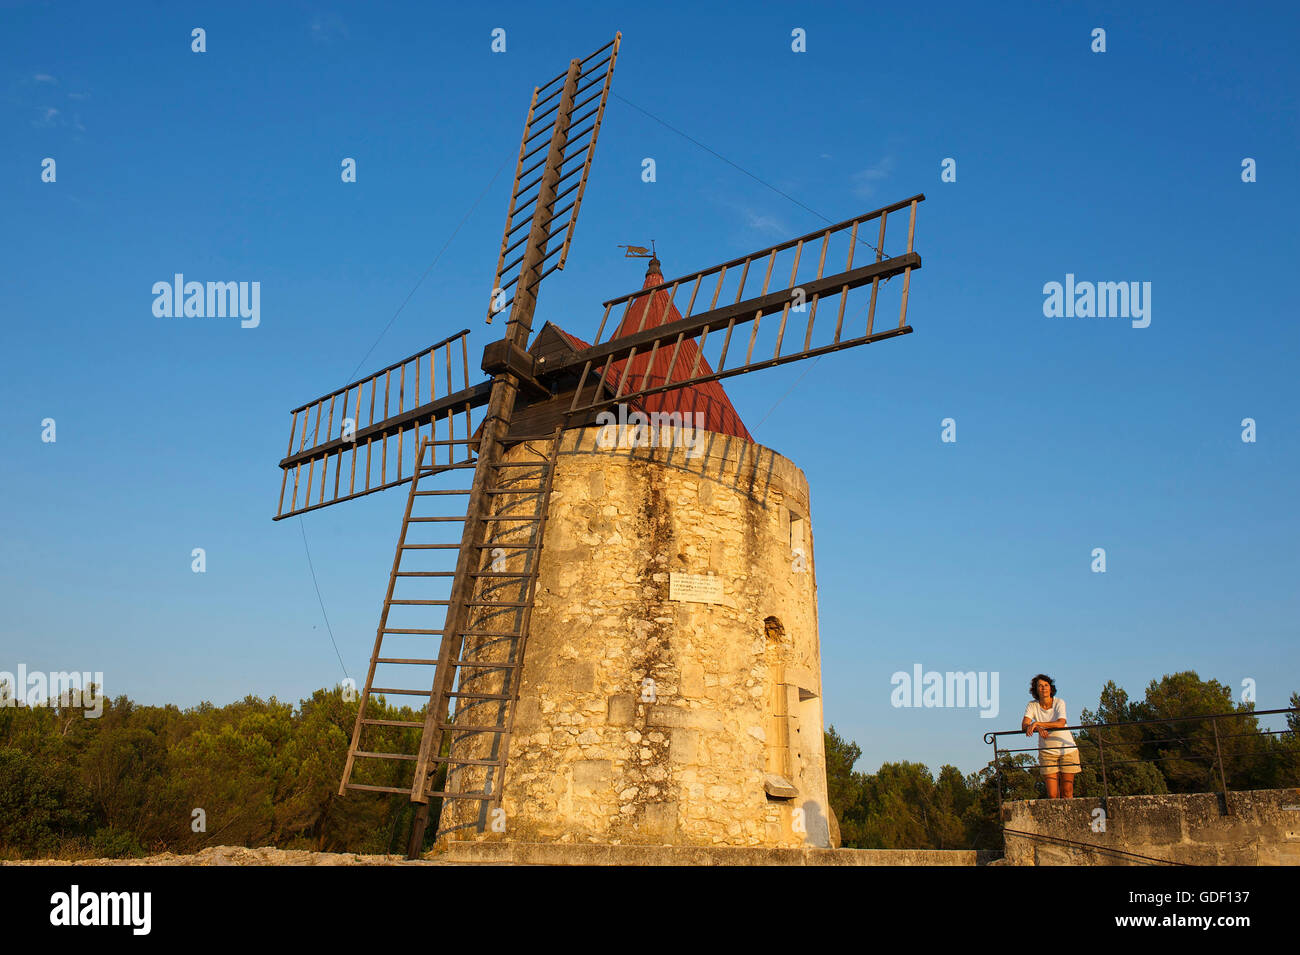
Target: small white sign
[[695, 588]]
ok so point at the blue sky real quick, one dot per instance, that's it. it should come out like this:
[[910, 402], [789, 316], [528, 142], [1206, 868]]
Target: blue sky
[[1072, 433]]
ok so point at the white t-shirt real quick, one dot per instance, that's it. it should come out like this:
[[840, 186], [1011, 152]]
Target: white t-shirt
[[1055, 739]]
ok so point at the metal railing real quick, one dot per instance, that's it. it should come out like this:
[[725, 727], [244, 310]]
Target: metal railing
[[1094, 735]]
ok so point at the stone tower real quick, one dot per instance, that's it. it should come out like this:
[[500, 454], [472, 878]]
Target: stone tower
[[671, 685]]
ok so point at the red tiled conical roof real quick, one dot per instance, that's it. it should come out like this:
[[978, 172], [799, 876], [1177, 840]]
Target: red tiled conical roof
[[656, 309]]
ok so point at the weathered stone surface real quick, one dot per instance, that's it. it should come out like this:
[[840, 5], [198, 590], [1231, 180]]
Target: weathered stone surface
[[584, 676], [622, 709], [523, 853], [497, 853], [676, 716], [684, 746], [692, 684], [1194, 829], [528, 714], [677, 698], [660, 819]]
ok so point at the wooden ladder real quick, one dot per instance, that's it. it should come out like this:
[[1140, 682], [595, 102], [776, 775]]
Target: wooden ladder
[[469, 714]]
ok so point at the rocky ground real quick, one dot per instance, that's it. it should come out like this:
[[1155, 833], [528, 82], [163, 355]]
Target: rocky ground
[[238, 855]]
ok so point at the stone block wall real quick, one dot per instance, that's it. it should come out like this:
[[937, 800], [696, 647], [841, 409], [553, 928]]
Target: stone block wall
[[644, 719], [1258, 828]]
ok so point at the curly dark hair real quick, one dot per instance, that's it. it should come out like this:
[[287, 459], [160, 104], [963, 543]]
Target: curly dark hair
[[1033, 684]]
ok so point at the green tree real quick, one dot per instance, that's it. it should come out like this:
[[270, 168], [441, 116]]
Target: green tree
[[1124, 748], [842, 783], [1187, 750], [40, 804]]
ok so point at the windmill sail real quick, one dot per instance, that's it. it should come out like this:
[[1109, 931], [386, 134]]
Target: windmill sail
[[363, 437], [567, 109], [648, 355]]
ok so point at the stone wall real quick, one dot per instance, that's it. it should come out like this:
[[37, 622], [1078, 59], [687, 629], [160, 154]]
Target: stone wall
[[644, 719], [1259, 828], [577, 853]]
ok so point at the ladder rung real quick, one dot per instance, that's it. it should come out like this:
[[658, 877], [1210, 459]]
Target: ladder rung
[[406, 723], [481, 696], [422, 603], [390, 689], [523, 464], [426, 573], [379, 789], [430, 469], [464, 762], [413, 661], [430, 520], [509, 546], [427, 493], [489, 633], [522, 520], [497, 573], [493, 603], [409, 630], [514, 490], [430, 547], [384, 755]]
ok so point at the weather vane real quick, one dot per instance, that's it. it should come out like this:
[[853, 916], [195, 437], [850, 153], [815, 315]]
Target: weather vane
[[639, 251]]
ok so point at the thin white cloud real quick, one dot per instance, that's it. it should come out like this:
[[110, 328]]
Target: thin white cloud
[[45, 78], [327, 27], [865, 180], [763, 223], [755, 220], [49, 117]]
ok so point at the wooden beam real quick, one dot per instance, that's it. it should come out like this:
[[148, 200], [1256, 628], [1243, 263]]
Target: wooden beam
[[740, 312], [474, 397], [780, 247]]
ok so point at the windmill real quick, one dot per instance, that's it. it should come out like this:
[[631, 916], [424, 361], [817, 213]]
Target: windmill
[[420, 421]]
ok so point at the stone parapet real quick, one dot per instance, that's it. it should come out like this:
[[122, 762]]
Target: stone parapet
[[1248, 828], [523, 853]]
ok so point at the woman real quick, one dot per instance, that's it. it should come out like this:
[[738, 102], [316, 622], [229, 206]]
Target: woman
[[1058, 757]]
